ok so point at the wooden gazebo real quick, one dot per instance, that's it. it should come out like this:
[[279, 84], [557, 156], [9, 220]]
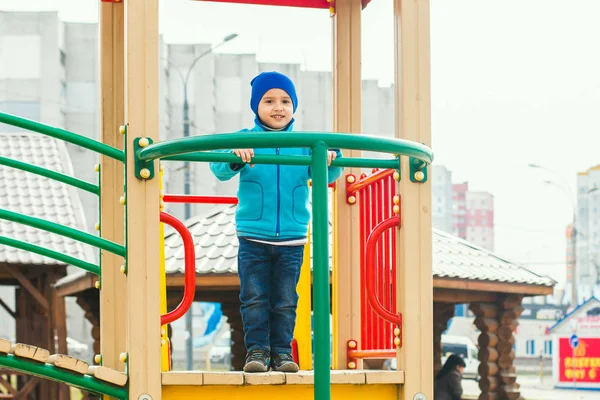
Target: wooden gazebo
[[39, 314]]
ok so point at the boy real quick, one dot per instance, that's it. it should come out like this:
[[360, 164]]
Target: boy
[[272, 223]]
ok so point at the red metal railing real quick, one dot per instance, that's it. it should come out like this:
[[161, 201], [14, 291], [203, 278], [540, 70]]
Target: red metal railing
[[371, 271], [189, 289], [186, 198], [379, 207]]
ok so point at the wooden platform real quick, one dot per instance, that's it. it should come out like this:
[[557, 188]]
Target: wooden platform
[[346, 385]]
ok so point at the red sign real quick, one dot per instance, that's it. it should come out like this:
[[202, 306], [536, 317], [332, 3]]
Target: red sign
[[581, 364]]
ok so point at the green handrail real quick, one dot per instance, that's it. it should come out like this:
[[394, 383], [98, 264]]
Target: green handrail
[[321, 299], [62, 134], [287, 160], [57, 176], [63, 230], [51, 254], [48, 371], [198, 149], [289, 139]]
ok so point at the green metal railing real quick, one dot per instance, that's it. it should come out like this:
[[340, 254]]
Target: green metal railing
[[75, 234], [188, 149], [289, 160], [63, 230], [51, 254], [62, 134], [48, 371], [289, 139], [57, 176]]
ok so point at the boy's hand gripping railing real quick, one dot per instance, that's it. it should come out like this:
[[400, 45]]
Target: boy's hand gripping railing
[[189, 289], [198, 148]]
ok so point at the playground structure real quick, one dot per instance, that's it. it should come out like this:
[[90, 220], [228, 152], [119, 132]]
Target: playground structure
[[132, 338]]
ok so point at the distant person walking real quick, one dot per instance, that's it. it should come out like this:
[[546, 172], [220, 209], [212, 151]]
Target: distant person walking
[[448, 384]]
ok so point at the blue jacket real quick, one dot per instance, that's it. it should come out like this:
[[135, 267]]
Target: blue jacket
[[273, 199]]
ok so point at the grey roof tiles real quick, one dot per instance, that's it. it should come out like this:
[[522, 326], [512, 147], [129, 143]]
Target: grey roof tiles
[[216, 253], [40, 197]]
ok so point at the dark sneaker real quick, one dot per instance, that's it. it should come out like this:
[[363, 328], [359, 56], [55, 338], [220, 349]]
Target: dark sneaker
[[257, 361], [283, 362]]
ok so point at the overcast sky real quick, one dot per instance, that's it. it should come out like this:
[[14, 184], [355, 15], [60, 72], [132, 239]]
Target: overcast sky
[[513, 82]]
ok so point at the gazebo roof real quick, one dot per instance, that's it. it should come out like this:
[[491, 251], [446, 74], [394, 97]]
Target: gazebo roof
[[453, 258], [40, 197]]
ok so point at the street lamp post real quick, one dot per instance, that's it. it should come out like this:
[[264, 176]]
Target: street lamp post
[[564, 186], [187, 176]]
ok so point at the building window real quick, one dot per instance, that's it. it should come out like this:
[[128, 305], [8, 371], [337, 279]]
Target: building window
[[530, 347], [548, 347]]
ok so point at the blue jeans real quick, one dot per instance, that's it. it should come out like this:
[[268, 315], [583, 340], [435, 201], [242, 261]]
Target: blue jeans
[[268, 278]]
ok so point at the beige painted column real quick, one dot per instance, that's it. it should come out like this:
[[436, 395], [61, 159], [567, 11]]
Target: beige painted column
[[414, 272], [347, 117], [143, 301], [112, 298]]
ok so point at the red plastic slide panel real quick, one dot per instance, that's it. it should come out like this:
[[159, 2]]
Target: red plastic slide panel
[[189, 289]]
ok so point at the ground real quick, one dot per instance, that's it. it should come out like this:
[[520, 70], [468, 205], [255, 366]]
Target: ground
[[533, 389]]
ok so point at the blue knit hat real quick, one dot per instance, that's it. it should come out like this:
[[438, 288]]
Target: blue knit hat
[[266, 81]]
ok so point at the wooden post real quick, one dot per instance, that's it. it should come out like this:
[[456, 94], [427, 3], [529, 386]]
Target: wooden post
[[231, 308], [442, 312], [511, 310], [113, 285], [347, 102], [486, 321], [59, 316], [143, 264], [414, 272]]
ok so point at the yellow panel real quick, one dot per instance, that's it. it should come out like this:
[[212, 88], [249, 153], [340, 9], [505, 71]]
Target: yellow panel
[[278, 392], [164, 351], [303, 329], [335, 289]]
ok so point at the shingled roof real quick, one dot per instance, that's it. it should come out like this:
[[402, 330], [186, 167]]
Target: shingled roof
[[36, 196], [216, 253]]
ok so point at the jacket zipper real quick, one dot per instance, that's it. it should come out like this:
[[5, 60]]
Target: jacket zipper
[[278, 199]]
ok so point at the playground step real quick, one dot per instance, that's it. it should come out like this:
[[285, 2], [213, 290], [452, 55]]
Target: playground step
[[63, 361], [5, 346], [69, 363], [342, 377], [108, 375], [31, 352]]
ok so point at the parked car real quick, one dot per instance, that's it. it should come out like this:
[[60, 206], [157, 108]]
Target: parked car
[[464, 347], [460, 345], [221, 351]]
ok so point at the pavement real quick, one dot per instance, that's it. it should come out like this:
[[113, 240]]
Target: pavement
[[532, 388]]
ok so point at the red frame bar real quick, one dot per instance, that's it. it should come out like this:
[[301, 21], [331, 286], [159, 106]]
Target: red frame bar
[[365, 181], [386, 289], [283, 3], [365, 354], [189, 289], [186, 198], [371, 285]]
